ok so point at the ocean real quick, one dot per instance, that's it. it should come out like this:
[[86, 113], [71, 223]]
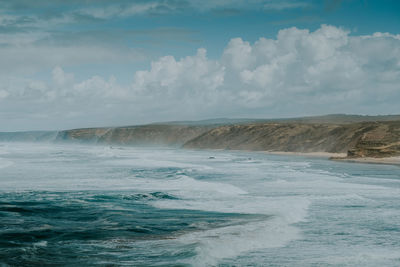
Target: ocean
[[81, 205]]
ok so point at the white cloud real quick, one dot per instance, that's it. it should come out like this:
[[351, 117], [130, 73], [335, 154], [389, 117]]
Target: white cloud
[[300, 66], [297, 73], [192, 74], [165, 7], [281, 5], [30, 58], [61, 78], [6, 19], [3, 94], [238, 54], [27, 22], [20, 39], [127, 10], [98, 87]]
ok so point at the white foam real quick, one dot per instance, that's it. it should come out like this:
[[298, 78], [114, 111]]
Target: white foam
[[228, 242], [369, 257], [40, 244], [187, 187], [278, 192], [290, 209]]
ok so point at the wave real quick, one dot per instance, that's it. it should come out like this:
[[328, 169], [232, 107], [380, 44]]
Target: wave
[[229, 242], [142, 196]]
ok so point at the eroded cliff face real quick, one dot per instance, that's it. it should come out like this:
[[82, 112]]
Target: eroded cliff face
[[88, 135], [383, 140], [293, 137], [367, 139], [155, 135], [146, 135]]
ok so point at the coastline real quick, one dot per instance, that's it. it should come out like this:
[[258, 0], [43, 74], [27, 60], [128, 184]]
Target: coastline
[[369, 160], [308, 154], [340, 157]]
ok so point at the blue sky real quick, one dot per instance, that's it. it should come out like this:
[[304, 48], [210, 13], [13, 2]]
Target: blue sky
[[68, 64]]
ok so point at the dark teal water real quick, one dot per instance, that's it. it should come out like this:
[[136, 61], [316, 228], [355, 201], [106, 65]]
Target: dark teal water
[[101, 206]]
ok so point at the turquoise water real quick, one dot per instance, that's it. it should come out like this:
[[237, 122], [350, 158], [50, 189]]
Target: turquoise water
[[64, 205]]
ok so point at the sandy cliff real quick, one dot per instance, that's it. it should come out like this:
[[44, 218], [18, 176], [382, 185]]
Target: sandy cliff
[[382, 140], [368, 139], [146, 135], [338, 134]]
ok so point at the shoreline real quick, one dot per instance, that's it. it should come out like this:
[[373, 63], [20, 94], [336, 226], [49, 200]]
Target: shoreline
[[369, 160], [340, 157], [308, 154]]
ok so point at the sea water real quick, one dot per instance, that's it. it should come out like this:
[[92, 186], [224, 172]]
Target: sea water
[[72, 205]]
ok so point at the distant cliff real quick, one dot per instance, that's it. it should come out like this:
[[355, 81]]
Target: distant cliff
[[338, 134], [33, 136], [146, 135]]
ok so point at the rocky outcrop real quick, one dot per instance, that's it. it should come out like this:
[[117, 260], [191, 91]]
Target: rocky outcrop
[[383, 140]]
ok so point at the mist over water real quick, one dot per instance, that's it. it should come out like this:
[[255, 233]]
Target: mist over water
[[96, 205]]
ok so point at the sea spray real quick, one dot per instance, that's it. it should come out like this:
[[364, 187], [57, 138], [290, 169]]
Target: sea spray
[[149, 206]]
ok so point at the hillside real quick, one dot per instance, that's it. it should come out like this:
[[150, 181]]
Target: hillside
[[30, 136], [324, 119], [146, 135], [358, 136], [367, 139]]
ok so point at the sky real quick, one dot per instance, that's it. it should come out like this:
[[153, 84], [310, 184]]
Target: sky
[[72, 64]]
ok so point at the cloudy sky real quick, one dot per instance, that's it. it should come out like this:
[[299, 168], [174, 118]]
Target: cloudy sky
[[70, 64]]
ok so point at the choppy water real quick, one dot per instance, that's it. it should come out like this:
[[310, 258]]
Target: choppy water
[[87, 205]]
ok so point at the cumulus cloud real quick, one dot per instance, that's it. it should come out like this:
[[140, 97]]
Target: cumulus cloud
[[297, 73], [192, 75], [61, 78], [315, 66]]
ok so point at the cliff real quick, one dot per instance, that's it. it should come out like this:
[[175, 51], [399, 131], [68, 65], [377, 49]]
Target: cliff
[[145, 135], [368, 139], [32, 136], [382, 140], [338, 134]]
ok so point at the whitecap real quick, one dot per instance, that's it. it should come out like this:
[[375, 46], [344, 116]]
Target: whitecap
[[231, 241]]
